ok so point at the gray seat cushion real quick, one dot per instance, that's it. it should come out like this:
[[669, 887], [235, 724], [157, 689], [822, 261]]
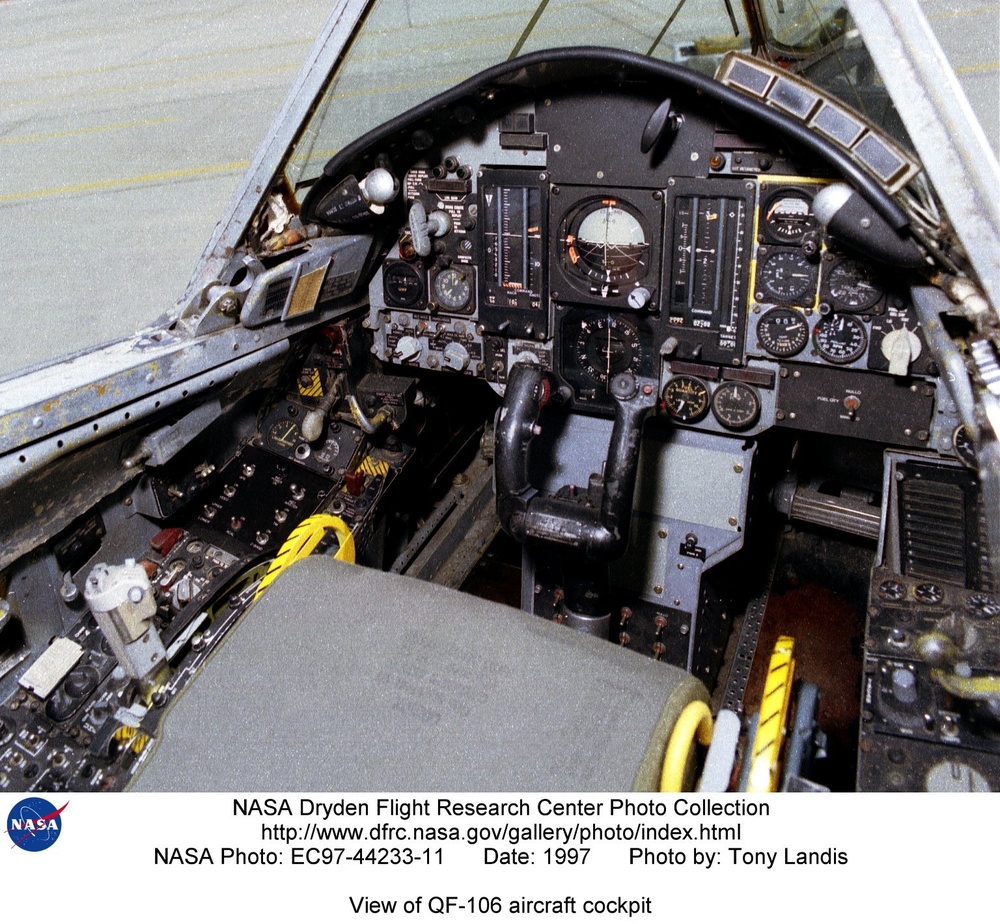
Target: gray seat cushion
[[345, 678]]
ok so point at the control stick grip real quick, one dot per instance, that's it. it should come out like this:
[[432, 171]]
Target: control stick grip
[[598, 532]]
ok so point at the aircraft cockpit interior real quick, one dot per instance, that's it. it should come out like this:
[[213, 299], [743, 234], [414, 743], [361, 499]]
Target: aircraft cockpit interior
[[685, 364]]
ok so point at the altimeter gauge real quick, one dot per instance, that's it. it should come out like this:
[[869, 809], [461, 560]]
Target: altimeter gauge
[[786, 276]]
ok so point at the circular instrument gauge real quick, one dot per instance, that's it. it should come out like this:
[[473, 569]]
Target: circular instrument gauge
[[606, 346], [284, 434], [852, 287], [981, 606], [964, 446], [786, 276], [606, 243], [839, 338], [736, 406], [403, 285], [686, 398], [453, 288], [788, 216], [782, 332]]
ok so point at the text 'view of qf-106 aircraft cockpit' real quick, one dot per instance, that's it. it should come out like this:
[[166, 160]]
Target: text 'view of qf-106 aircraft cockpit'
[[621, 414]]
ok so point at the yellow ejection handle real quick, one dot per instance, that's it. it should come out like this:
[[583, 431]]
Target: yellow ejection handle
[[695, 719], [303, 540]]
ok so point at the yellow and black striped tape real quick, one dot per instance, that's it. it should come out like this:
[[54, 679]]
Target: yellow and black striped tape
[[314, 388], [374, 467], [132, 738], [765, 757], [303, 541]]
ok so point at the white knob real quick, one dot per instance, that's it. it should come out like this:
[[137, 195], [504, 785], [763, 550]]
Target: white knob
[[900, 347], [456, 356], [379, 187], [407, 348]]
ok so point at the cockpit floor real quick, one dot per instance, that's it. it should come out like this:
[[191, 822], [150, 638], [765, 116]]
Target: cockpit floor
[[818, 597]]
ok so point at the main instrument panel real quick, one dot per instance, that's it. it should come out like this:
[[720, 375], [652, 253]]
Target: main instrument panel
[[700, 264]]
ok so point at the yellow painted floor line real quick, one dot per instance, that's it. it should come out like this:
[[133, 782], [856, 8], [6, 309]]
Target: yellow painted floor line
[[71, 132], [152, 62], [978, 68], [955, 14], [219, 77], [125, 182]]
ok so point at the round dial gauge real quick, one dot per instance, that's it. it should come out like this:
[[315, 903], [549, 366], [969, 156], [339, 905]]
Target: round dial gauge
[[964, 446], [785, 276], [606, 242], [782, 332], [840, 338], [453, 288], [852, 287], [686, 398], [788, 216], [284, 434], [606, 346], [403, 285], [736, 406]]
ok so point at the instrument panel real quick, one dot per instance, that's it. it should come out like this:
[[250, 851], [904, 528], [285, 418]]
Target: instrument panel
[[707, 269]]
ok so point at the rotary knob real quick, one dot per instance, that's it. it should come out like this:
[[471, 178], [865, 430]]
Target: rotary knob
[[900, 347], [456, 356], [407, 349]]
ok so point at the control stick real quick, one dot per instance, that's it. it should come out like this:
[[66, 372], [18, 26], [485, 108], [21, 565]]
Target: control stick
[[588, 530]]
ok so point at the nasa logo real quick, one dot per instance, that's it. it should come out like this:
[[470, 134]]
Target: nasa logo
[[34, 824]]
